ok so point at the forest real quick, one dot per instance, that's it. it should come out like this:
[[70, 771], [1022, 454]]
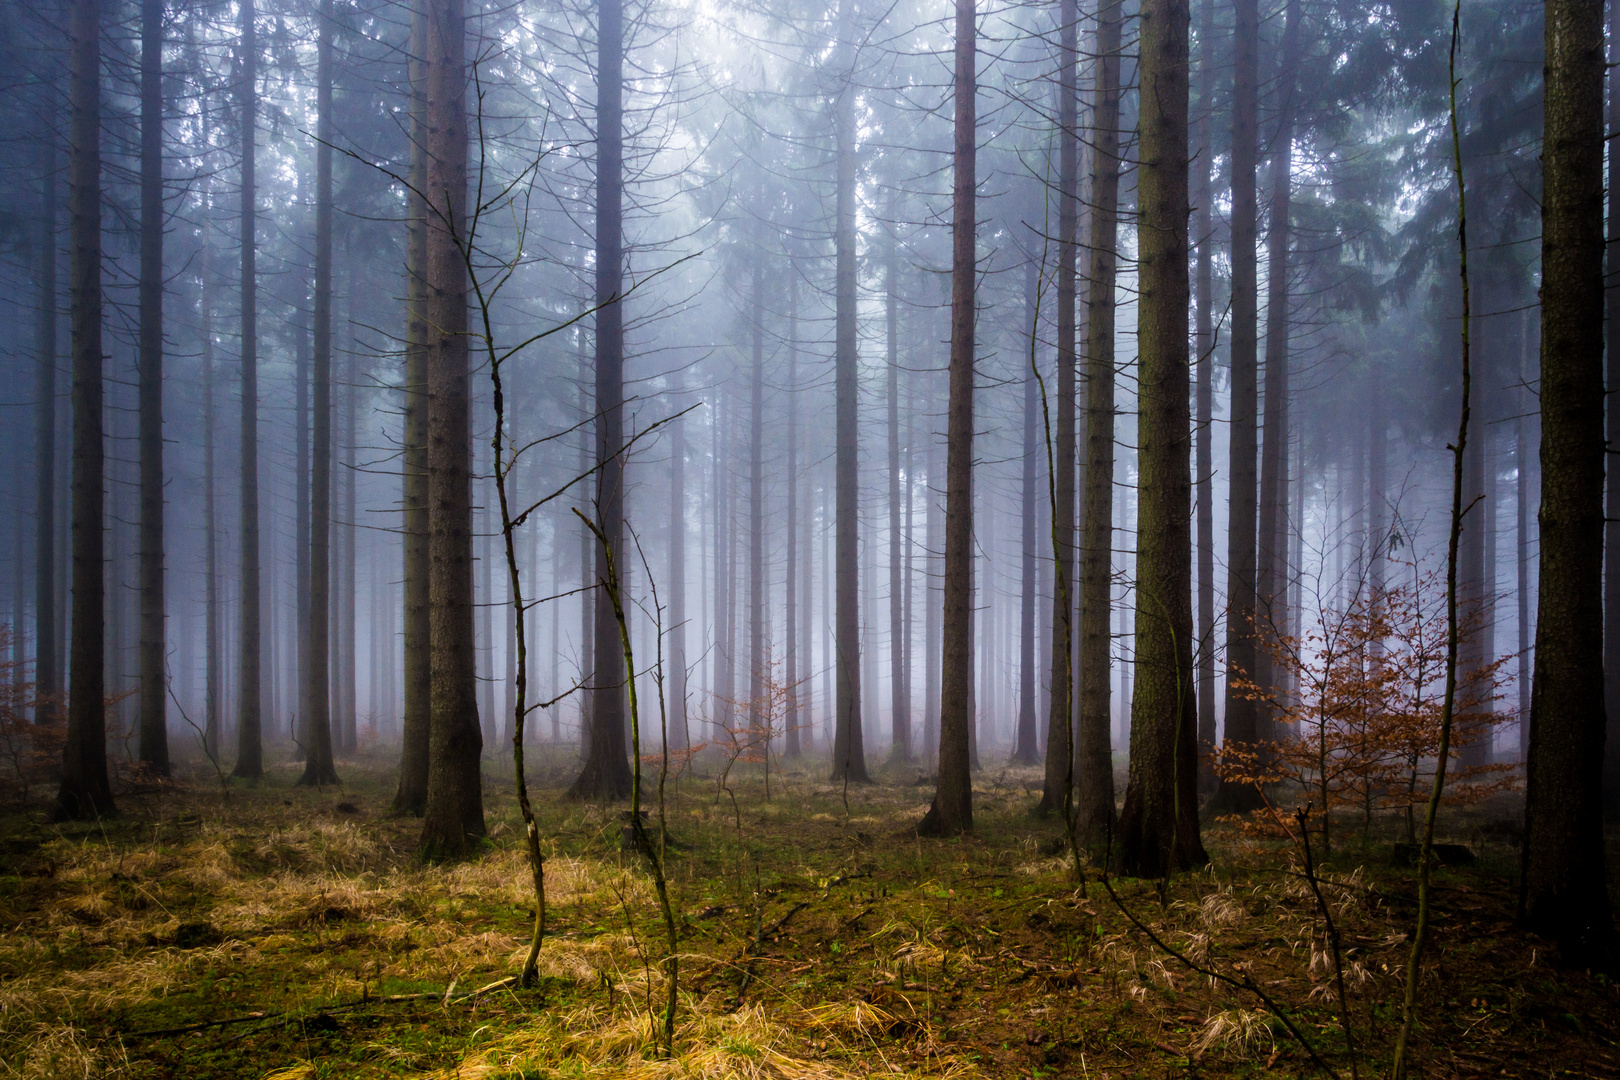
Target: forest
[[809, 539]]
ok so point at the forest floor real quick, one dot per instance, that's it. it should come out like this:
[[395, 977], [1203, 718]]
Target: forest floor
[[288, 932]]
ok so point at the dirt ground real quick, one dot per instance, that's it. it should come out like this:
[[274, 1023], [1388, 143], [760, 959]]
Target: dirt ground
[[280, 931]]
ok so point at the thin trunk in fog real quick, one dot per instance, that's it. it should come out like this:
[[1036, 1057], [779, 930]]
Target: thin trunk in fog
[[1242, 622], [1060, 758], [606, 773], [758, 661], [849, 753], [249, 744], [1563, 885], [318, 767], [724, 665], [678, 736], [1094, 766], [790, 658], [348, 672], [47, 669], [1377, 485], [411, 795], [1271, 553], [807, 669], [154, 676], [1521, 534], [952, 809], [453, 818], [302, 373], [587, 595], [933, 593], [1158, 826], [1204, 343], [900, 689], [84, 792], [212, 660], [1025, 748]]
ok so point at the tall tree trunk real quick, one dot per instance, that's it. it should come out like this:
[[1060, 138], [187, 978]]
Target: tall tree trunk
[[1521, 535], [758, 660], [1204, 342], [606, 774], [318, 767], [952, 810], [1235, 796], [1060, 756], [1094, 757], [900, 691], [1025, 748], [1271, 554], [1563, 888], [725, 668], [84, 792], [249, 743], [849, 753], [791, 718], [411, 795], [807, 650], [454, 815], [1159, 823], [348, 673], [302, 374], [933, 599], [1611, 529], [154, 676], [587, 572], [678, 734], [213, 680], [47, 669], [1377, 487]]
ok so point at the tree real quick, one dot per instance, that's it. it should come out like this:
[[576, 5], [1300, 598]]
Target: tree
[[85, 793], [1025, 749], [900, 686], [411, 795], [1242, 657], [249, 744], [154, 676], [47, 668], [1563, 889], [1204, 344], [1611, 529], [952, 809], [792, 609], [318, 767], [606, 774], [1094, 759], [1159, 823], [1060, 751], [849, 754], [453, 818]]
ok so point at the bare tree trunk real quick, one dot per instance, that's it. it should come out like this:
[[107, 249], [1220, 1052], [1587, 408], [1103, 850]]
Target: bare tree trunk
[[302, 374], [1060, 756], [900, 690], [606, 774], [411, 795], [1611, 528], [952, 810], [1521, 535], [47, 648], [934, 595], [1159, 823], [1204, 342], [318, 767], [154, 676], [807, 650], [249, 743], [348, 675], [849, 753], [676, 679], [587, 572], [1094, 812], [84, 792], [454, 815], [758, 660], [725, 675], [1242, 658], [791, 718], [1563, 888], [1025, 748], [213, 661]]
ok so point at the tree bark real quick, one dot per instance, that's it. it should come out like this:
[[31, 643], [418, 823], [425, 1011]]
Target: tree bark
[[952, 810], [84, 793], [1094, 764], [154, 676], [1235, 796], [249, 743], [47, 648], [411, 795], [318, 767], [849, 754], [1611, 528], [1159, 823], [606, 773], [1060, 756], [758, 660], [453, 818], [791, 718], [1563, 886], [213, 674]]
